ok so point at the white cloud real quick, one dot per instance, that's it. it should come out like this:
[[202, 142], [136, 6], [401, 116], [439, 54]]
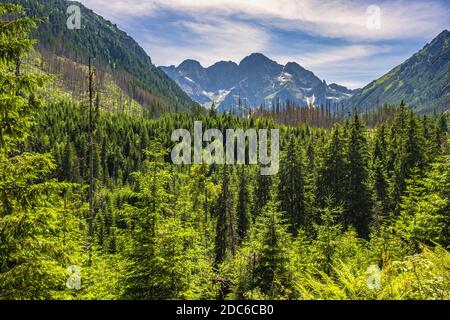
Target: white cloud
[[119, 8], [328, 56], [353, 84], [352, 66], [208, 42], [335, 18], [232, 29]]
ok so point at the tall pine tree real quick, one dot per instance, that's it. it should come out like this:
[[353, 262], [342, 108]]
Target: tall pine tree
[[358, 198], [226, 239], [291, 187], [33, 258]]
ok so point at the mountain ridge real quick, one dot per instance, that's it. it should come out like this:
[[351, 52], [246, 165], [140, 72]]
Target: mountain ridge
[[114, 52], [255, 81], [421, 81]]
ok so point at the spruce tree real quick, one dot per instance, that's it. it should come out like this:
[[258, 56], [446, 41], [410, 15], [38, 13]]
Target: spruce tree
[[291, 187], [18, 102], [410, 156], [243, 206], [262, 192], [143, 219], [328, 232], [441, 132], [225, 230], [380, 177], [272, 273], [358, 198], [33, 258], [203, 195], [332, 173], [424, 215]]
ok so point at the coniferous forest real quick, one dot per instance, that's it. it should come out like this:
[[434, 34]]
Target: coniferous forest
[[92, 207]]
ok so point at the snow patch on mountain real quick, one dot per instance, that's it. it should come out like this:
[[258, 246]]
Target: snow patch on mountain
[[256, 81], [285, 77]]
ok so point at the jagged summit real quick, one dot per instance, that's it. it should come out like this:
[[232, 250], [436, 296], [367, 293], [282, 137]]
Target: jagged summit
[[256, 80]]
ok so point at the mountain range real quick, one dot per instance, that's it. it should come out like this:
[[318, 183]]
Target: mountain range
[[255, 81], [422, 81], [125, 72], [116, 56]]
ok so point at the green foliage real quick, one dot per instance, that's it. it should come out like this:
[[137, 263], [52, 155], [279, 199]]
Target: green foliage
[[421, 81], [226, 237], [244, 218], [32, 255], [292, 186], [18, 102], [359, 203], [162, 248], [332, 173], [421, 276], [114, 51], [328, 232], [36, 233], [424, 217], [271, 274], [380, 176], [354, 213], [260, 269], [169, 227]]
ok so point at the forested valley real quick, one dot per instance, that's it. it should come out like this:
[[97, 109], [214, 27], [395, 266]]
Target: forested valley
[[360, 208]]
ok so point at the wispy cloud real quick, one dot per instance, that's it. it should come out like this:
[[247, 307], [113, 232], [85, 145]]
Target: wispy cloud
[[330, 37], [350, 65], [335, 18], [207, 41], [328, 55], [121, 9]]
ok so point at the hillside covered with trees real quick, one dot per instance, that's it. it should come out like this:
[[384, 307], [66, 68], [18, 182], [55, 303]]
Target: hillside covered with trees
[[422, 81], [118, 58], [91, 206]]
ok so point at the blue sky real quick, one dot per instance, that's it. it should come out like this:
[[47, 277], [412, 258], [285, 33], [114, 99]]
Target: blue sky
[[348, 42]]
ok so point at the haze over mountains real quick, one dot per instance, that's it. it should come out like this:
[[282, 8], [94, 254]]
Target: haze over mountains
[[255, 81]]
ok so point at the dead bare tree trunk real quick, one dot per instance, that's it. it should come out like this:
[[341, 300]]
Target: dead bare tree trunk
[[91, 160]]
